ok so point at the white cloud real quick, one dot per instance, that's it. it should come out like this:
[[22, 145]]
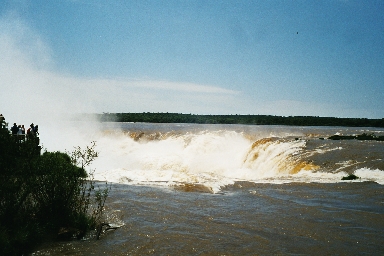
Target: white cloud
[[182, 86], [31, 89]]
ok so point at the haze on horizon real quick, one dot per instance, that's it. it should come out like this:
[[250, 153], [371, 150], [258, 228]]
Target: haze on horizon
[[289, 58]]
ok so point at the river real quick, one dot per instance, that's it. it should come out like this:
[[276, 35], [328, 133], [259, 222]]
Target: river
[[189, 189]]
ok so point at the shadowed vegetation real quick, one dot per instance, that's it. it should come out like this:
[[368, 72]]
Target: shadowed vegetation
[[239, 119], [44, 195]]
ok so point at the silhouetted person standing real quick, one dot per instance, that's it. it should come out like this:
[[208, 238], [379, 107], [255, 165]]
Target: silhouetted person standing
[[14, 129], [31, 131]]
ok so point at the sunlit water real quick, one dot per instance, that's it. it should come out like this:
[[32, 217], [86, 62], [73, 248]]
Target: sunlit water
[[181, 189]]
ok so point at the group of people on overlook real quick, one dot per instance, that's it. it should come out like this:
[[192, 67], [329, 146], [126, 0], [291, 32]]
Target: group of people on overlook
[[31, 132]]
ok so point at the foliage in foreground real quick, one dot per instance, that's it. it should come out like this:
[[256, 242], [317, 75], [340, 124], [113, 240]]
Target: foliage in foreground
[[44, 195]]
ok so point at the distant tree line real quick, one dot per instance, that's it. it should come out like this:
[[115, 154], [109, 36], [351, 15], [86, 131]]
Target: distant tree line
[[240, 119]]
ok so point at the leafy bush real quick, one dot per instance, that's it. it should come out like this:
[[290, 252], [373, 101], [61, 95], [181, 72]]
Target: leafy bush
[[45, 194], [56, 188]]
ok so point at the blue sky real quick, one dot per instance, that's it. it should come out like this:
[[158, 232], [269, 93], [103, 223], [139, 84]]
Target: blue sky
[[297, 57]]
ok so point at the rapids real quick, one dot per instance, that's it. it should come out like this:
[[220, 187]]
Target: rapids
[[214, 156], [187, 189]]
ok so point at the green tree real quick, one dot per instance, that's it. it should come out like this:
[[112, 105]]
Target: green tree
[[45, 194]]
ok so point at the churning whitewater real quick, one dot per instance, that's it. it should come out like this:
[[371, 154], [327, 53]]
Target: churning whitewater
[[210, 157], [259, 190]]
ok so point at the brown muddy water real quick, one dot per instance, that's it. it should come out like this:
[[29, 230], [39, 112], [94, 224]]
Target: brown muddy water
[[187, 189], [244, 219]]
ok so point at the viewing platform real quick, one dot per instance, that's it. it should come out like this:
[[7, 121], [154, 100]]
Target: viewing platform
[[31, 137], [33, 142]]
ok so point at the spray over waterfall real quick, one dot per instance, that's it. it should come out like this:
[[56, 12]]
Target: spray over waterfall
[[209, 158]]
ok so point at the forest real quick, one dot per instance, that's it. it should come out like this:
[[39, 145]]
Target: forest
[[239, 119]]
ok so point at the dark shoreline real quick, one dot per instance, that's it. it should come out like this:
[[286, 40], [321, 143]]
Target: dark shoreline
[[148, 117]]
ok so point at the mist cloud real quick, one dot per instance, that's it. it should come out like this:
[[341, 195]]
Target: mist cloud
[[32, 89]]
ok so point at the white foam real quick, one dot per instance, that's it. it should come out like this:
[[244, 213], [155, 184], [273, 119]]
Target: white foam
[[213, 159], [367, 174], [210, 158]]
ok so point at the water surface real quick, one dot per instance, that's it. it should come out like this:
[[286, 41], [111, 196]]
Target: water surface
[[186, 189]]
